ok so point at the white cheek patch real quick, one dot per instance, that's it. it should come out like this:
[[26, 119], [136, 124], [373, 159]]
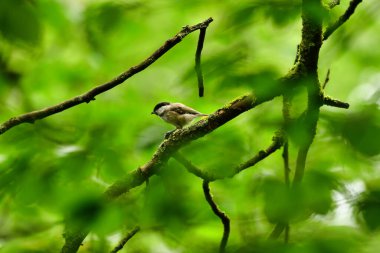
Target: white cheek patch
[[162, 109]]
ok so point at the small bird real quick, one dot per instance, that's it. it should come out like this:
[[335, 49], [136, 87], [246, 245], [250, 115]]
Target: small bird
[[176, 114]]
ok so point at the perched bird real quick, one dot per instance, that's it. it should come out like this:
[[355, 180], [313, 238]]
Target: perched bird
[[176, 114]]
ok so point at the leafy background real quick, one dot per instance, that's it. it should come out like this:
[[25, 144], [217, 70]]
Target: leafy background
[[51, 51]]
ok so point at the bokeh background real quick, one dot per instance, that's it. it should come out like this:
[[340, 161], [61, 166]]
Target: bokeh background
[[53, 50]]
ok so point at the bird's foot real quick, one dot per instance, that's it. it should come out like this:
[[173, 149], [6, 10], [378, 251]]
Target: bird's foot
[[167, 134]]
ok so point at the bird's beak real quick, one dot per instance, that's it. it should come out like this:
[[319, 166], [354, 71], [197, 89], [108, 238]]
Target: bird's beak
[[153, 113]]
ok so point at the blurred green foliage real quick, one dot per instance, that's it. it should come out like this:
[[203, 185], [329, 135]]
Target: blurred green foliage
[[59, 167]]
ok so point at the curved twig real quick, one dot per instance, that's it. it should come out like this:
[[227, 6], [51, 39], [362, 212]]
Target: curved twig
[[198, 67], [91, 94], [222, 216]]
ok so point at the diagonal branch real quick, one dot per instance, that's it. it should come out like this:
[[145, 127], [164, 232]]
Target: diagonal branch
[[91, 94], [342, 19], [222, 216]]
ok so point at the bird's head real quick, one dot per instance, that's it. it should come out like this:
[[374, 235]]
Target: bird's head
[[156, 109]]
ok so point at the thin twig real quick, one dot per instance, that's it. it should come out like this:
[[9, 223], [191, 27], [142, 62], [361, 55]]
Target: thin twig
[[198, 67], [91, 94], [277, 143], [335, 103], [297, 54], [342, 19], [327, 79], [126, 239], [222, 216]]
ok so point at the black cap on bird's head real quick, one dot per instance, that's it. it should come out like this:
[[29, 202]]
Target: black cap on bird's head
[[159, 105]]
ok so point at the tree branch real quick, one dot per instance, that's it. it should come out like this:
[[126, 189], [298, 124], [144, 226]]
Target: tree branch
[[222, 216], [126, 239], [91, 94], [342, 19], [311, 43]]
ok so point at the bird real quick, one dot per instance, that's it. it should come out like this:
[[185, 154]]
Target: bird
[[176, 114]]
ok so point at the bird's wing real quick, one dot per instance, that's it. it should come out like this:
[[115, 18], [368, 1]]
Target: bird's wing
[[183, 109]]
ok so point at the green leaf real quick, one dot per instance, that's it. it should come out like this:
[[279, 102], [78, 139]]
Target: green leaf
[[19, 22], [317, 187], [361, 128], [283, 204], [368, 207]]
